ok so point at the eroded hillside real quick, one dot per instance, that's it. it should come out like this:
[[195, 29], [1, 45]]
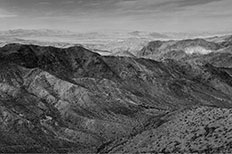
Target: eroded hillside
[[216, 51]]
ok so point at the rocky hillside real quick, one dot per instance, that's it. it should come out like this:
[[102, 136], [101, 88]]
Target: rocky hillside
[[197, 130], [216, 51], [67, 100]]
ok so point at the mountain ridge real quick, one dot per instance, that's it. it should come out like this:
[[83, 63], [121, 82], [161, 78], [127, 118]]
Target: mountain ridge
[[80, 101]]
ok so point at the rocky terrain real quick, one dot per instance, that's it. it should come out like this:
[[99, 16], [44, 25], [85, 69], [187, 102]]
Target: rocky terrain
[[172, 96], [197, 130], [215, 50]]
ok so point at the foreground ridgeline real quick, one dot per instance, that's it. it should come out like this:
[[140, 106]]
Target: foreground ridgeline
[[72, 100]]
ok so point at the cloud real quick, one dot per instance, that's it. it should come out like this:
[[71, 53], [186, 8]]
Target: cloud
[[44, 3], [158, 15], [183, 3], [163, 5], [5, 14], [70, 2]]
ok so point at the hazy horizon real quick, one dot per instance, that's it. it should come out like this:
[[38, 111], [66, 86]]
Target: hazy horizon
[[117, 15]]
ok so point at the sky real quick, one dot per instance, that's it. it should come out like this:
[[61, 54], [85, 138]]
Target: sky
[[117, 15]]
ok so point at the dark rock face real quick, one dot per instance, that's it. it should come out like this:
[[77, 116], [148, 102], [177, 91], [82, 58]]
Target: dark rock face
[[75, 101]]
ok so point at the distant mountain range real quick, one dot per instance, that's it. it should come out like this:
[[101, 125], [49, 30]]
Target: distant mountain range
[[154, 35], [41, 32], [111, 42]]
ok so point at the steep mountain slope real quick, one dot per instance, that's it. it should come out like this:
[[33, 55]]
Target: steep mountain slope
[[73, 100], [199, 130]]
